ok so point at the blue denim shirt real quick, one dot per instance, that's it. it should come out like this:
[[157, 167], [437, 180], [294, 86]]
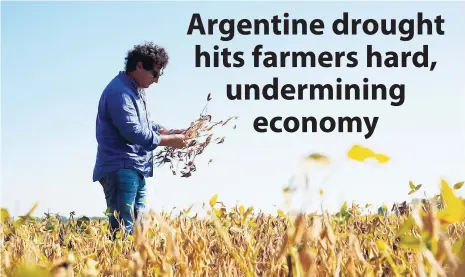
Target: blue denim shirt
[[126, 136]]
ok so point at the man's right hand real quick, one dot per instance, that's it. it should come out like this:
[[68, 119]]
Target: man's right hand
[[175, 141]]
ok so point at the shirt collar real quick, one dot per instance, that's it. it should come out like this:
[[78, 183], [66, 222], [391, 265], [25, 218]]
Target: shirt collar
[[128, 80], [133, 84]]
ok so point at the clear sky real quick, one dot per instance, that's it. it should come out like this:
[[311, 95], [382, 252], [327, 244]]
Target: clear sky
[[58, 57]]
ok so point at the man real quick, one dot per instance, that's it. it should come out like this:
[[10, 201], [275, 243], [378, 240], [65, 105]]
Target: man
[[126, 136]]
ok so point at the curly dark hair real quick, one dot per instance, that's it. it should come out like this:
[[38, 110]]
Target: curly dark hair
[[149, 54]]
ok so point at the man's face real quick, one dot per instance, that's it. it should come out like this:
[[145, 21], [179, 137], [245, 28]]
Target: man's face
[[147, 77]]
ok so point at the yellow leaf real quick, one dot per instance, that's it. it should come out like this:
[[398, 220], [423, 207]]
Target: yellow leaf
[[281, 213], [454, 210], [249, 210], [29, 213], [252, 224], [321, 192], [360, 153], [318, 158], [458, 185], [457, 247], [213, 200], [410, 241], [381, 245], [406, 226], [4, 215], [241, 209], [381, 158], [288, 189], [218, 212]]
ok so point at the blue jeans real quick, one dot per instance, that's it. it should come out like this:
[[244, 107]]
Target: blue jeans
[[125, 192]]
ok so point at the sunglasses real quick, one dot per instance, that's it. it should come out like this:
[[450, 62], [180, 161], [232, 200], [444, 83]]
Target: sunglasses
[[155, 73]]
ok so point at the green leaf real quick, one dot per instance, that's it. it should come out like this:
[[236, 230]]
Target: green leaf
[[344, 214], [459, 185], [344, 207], [107, 212], [188, 210], [412, 186], [83, 221]]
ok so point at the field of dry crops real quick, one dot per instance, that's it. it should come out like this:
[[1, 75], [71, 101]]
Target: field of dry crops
[[424, 240]]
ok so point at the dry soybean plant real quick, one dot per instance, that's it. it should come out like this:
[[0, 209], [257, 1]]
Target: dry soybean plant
[[200, 135], [426, 241]]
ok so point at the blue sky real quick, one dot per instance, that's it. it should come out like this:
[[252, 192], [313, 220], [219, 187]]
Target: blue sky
[[58, 56]]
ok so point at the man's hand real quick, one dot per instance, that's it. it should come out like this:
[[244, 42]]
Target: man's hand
[[179, 131], [175, 141], [172, 131]]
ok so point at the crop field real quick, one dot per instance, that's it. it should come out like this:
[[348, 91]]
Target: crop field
[[420, 240]]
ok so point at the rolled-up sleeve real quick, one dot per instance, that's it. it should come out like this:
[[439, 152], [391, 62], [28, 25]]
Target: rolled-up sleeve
[[124, 115], [157, 127]]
